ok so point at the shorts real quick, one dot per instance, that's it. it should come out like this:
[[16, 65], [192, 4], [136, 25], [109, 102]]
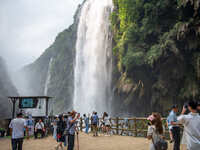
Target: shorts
[[94, 124], [170, 128], [107, 125]]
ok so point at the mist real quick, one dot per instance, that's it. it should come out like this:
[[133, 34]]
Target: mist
[[28, 27]]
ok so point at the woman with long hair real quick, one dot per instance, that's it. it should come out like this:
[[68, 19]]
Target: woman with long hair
[[106, 123], [155, 129]]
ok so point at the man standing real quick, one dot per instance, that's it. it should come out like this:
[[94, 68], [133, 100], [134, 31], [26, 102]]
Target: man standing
[[39, 128], [172, 120], [72, 120], [17, 126], [95, 122], [86, 121], [191, 124]]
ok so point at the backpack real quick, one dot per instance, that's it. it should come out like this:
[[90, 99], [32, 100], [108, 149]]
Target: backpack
[[161, 144]]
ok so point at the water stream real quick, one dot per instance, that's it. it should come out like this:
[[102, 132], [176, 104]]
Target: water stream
[[41, 108], [93, 64]]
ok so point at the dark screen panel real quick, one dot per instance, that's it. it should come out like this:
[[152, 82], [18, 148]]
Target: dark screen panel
[[28, 103]]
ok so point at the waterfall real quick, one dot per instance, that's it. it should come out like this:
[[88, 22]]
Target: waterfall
[[46, 87], [48, 79], [93, 64], [40, 110]]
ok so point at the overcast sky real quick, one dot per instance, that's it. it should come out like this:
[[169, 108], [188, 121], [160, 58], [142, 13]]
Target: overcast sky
[[28, 27]]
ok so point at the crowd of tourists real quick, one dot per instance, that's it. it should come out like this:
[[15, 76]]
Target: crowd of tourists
[[189, 119], [65, 127]]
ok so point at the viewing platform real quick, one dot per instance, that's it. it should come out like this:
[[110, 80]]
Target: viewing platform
[[88, 142]]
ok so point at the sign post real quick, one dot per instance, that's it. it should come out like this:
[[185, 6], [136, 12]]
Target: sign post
[[28, 102]]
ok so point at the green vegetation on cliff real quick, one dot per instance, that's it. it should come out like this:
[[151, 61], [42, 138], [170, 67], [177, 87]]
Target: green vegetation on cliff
[[157, 46]]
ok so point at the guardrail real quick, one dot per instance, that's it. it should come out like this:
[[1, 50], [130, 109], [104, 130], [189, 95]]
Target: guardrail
[[128, 126]]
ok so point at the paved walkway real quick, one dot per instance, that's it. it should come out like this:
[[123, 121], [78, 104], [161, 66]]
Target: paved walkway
[[87, 142]]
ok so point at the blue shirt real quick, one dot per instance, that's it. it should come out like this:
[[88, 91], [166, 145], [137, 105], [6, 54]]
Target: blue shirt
[[95, 119], [71, 127], [171, 118]]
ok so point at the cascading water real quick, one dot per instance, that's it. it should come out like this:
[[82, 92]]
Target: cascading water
[[48, 79], [41, 106], [93, 66]]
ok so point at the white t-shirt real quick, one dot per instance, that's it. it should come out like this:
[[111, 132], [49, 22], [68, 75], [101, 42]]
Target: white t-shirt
[[39, 125], [17, 126], [106, 121], [191, 124], [156, 136]]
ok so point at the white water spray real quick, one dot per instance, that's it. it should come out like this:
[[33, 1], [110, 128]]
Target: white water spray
[[40, 110], [48, 79], [93, 66]]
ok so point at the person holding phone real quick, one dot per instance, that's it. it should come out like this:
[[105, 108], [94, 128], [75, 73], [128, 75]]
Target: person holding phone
[[191, 124], [72, 121]]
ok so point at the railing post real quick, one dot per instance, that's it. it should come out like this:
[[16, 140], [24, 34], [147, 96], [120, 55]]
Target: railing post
[[117, 125], [81, 124], [128, 127], [135, 126]]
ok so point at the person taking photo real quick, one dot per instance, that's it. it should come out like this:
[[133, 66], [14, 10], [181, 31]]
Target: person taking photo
[[191, 123], [72, 120]]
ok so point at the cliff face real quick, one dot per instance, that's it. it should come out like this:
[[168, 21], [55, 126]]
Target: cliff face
[[156, 54], [6, 89], [156, 58], [62, 54]]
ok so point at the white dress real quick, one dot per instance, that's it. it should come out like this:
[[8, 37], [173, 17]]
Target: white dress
[[106, 121], [156, 137]]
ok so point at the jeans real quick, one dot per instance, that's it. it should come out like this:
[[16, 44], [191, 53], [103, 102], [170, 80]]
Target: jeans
[[86, 128], [176, 137], [17, 144], [70, 142], [66, 141]]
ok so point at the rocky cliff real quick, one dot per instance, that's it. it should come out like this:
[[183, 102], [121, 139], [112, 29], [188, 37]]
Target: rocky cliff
[[60, 87], [156, 54], [6, 89]]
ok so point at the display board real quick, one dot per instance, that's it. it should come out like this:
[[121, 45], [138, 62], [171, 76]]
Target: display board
[[28, 103]]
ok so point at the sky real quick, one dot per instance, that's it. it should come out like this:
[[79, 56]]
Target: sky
[[28, 27]]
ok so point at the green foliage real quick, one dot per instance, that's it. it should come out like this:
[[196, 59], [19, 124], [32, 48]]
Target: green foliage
[[153, 54], [159, 38], [138, 26], [133, 59]]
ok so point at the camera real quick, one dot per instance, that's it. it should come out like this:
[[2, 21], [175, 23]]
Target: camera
[[186, 106], [149, 124]]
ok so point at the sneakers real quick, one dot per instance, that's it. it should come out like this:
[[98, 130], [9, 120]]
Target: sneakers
[[56, 148]]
